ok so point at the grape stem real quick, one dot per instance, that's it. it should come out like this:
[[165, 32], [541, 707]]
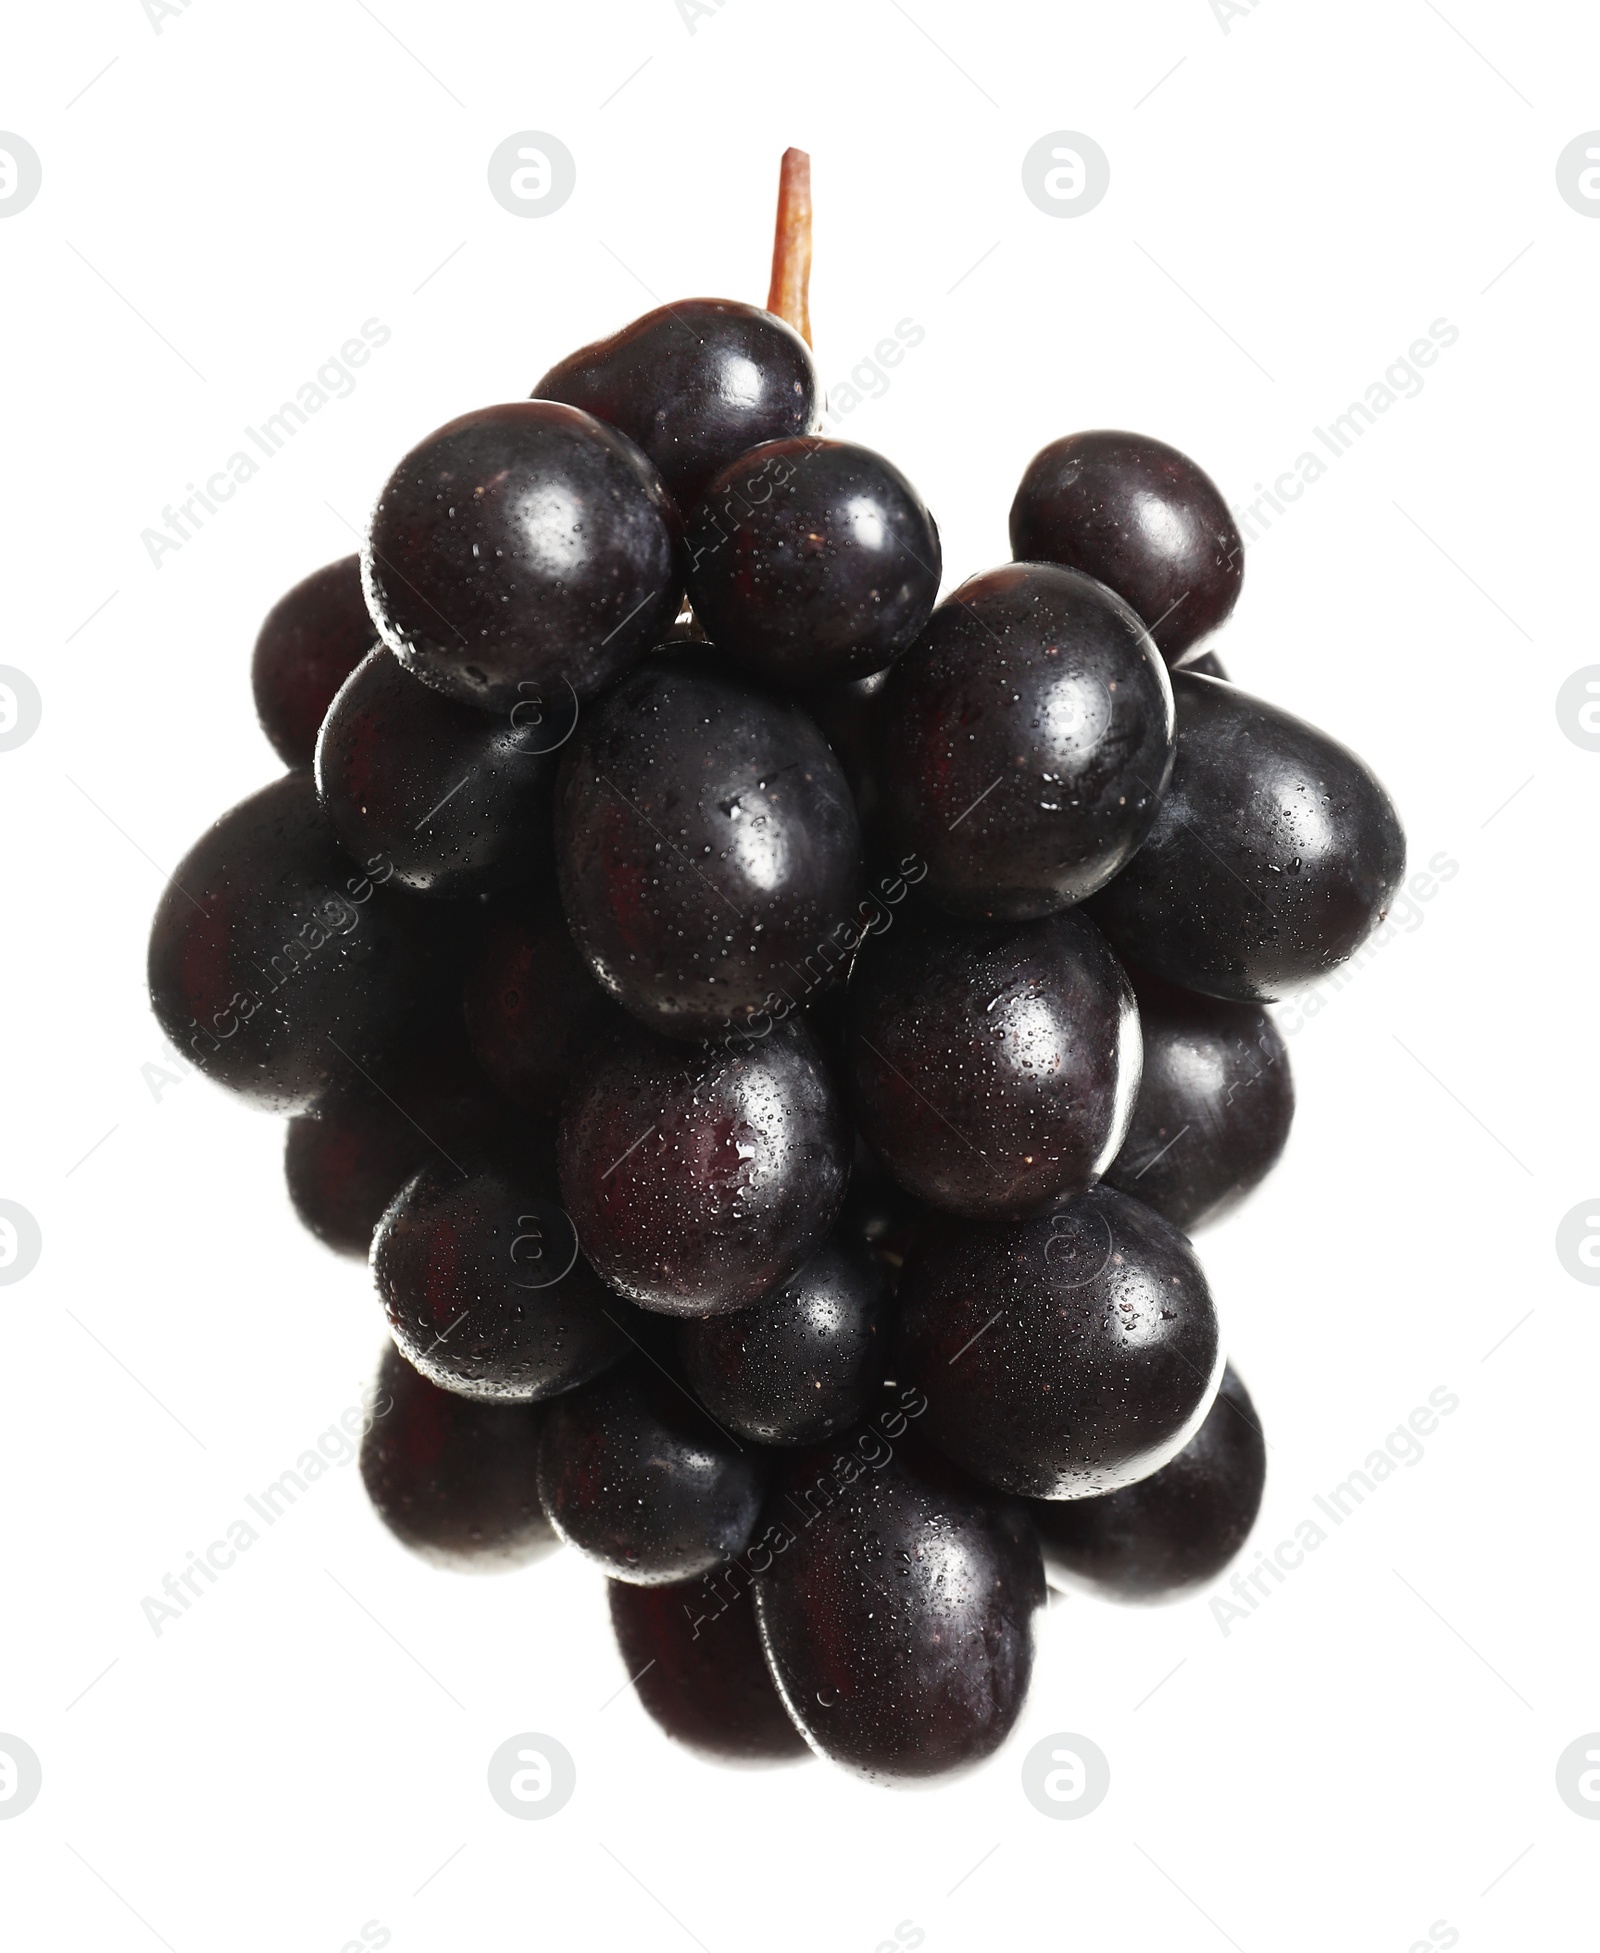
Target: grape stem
[[789, 292]]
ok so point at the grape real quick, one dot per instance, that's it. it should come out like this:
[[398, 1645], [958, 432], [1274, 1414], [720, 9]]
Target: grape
[[802, 1362], [1170, 1533], [695, 384], [454, 1480], [993, 1066], [1215, 1103], [1062, 1357], [1274, 856], [310, 642], [708, 848], [533, 1011], [849, 716], [877, 1210], [701, 1674], [698, 1177], [1207, 665], [637, 1477], [1142, 518], [457, 802], [812, 561], [276, 966], [691, 960], [348, 1159], [1026, 742], [486, 1291], [898, 1617], [520, 551]]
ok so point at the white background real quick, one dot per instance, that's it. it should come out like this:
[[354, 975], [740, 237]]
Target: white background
[[1295, 202]]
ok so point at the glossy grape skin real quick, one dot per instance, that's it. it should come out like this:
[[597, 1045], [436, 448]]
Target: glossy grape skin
[[520, 551], [801, 1363], [456, 800], [1216, 1100], [1063, 1357], [877, 1211], [701, 1177], [640, 1480], [456, 1481], [1141, 517], [1027, 738], [310, 641], [812, 561], [345, 1161], [708, 848], [1172, 1532], [898, 1618], [485, 1290], [695, 384], [1207, 665], [533, 1011], [1275, 853], [994, 1067], [276, 966], [709, 1690], [848, 715]]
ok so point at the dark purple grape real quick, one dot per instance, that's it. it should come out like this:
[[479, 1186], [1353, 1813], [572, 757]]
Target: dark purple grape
[[457, 801], [1207, 665], [799, 1364], [276, 965], [533, 1011], [346, 1160], [311, 641], [1142, 518], [812, 561], [454, 1480], [849, 717], [993, 1066], [695, 384], [1026, 740], [701, 1177], [877, 1211], [486, 1291], [898, 1617], [1274, 856], [1173, 1531], [635, 1475], [521, 554], [704, 1680], [1215, 1104], [1062, 1357], [708, 848]]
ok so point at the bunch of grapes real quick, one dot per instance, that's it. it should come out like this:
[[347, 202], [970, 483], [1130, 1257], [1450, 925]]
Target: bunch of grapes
[[775, 1033]]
